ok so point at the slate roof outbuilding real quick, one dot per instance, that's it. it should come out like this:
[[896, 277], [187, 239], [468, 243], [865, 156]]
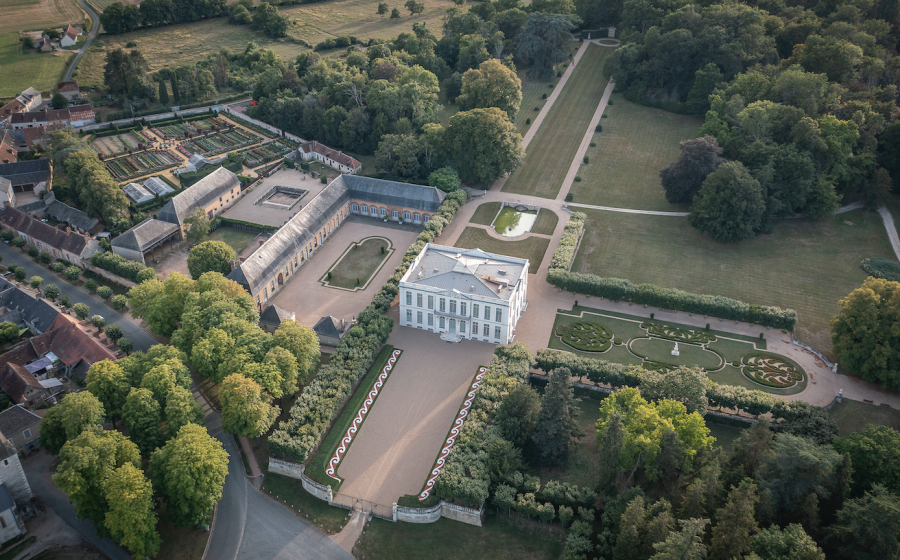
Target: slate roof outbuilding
[[75, 218], [26, 172], [16, 419], [144, 235], [199, 195], [18, 220]]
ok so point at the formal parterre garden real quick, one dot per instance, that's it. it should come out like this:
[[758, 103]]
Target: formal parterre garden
[[254, 157], [219, 142], [143, 163], [727, 358]]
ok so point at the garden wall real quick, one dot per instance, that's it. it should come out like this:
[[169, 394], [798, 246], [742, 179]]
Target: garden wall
[[295, 470], [149, 118], [270, 128]]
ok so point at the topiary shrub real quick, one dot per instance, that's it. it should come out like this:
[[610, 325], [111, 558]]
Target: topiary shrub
[[91, 285], [528, 121], [98, 322], [603, 116], [568, 197], [73, 273], [593, 144], [65, 301], [577, 179], [81, 310], [36, 282], [52, 291], [33, 252], [119, 301], [599, 128], [105, 292], [610, 101], [544, 96], [537, 108], [57, 267], [586, 160], [881, 268], [559, 74], [45, 257]]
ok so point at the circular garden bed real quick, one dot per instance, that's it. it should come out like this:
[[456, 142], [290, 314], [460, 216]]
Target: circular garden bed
[[771, 371], [585, 336]]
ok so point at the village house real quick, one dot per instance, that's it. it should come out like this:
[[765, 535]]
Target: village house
[[43, 43], [31, 176], [273, 315], [25, 101], [24, 309], [314, 151], [11, 473], [74, 218], [11, 523], [275, 262], [69, 37], [79, 115], [9, 148], [21, 428], [464, 293], [64, 245], [330, 330], [21, 386]]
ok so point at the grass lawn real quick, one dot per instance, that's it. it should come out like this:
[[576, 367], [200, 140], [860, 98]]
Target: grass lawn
[[174, 45], [237, 239], [533, 92], [180, 543], [511, 219], [31, 68], [485, 213], [358, 264], [531, 248], [803, 265], [316, 467], [852, 416], [636, 143], [30, 15], [500, 539], [581, 468], [328, 518], [550, 153], [546, 222], [713, 356]]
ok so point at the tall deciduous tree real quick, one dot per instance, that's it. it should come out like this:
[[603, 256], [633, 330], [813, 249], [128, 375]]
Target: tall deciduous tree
[[107, 381], [214, 256], [300, 341], [188, 473], [199, 223], [518, 413], [686, 385], [141, 414], [735, 522], [85, 465], [64, 422], [868, 528], [182, 408], [864, 333], [557, 431], [683, 179], [491, 85], [730, 205], [875, 455], [544, 42], [130, 518], [245, 407], [483, 144]]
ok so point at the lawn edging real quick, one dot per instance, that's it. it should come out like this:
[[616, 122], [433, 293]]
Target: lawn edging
[[315, 469]]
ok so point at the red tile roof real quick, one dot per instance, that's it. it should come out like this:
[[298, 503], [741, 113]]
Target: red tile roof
[[14, 106], [33, 134], [76, 113], [16, 219], [14, 381], [71, 344], [71, 32]]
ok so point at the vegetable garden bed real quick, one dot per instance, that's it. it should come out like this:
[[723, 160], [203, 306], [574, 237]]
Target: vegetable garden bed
[[255, 157], [142, 163], [218, 143]]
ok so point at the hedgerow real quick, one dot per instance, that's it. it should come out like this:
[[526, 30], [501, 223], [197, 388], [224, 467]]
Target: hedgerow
[[119, 265], [881, 268], [565, 252], [297, 437]]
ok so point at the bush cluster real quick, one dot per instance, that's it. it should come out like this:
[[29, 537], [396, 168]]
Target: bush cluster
[[337, 43], [881, 268], [565, 252], [465, 475], [119, 265], [298, 436]]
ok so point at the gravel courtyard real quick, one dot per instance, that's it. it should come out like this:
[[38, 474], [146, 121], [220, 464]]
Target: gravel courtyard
[[398, 443]]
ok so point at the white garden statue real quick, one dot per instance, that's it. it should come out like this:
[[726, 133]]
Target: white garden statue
[[675, 350]]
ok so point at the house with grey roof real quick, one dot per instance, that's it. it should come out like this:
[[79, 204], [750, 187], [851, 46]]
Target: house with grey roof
[[213, 193], [21, 427], [273, 315], [27, 176], [74, 218], [12, 475], [7, 195], [330, 330], [11, 523], [142, 239], [464, 293], [275, 262]]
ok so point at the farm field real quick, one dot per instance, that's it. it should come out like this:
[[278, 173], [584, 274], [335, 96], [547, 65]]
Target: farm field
[[804, 265], [550, 153], [30, 69], [635, 144], [140, 164], [29, 15], [176, 44], [218, 143], [531, 248]]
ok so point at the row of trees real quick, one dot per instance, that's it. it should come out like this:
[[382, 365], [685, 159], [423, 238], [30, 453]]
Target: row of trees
[[119, 17], [215, 323], [266, 18]]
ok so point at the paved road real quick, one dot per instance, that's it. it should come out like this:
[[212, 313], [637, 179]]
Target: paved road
[[891, 229], [37, 470], [94, 28], [142, 340], [250, 526]]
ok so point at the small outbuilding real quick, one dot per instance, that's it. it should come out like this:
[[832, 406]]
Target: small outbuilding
[[273, 315], [330, 330]]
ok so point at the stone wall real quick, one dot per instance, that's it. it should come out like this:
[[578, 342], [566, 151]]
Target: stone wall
[[295, 470], [418, 515], [462, 514]]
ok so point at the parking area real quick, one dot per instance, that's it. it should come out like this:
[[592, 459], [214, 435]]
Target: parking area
[[246, 209], [398, 443], [305, 294]]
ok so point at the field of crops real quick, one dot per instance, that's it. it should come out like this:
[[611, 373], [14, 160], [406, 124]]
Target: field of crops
[[264, 154], [144, 163], [177, 130], [219, 143]]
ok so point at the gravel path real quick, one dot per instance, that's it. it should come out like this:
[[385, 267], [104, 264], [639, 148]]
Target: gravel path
[[891, 228]]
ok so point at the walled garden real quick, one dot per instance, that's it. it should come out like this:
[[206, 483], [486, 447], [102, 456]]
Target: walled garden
[[110, 146], [219, 142], [140, 164], [728, 358], [254, 157], [174, 130]]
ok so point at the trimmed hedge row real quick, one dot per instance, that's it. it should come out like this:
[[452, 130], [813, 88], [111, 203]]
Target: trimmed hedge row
[[297, 437], [726, 396], [119, 265], [618, 289], [881, 268], [565, 252]]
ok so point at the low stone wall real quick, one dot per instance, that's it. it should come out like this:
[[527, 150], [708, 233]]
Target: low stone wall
[[462, 514], [294, 470], [805, 346], [418, 515]]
